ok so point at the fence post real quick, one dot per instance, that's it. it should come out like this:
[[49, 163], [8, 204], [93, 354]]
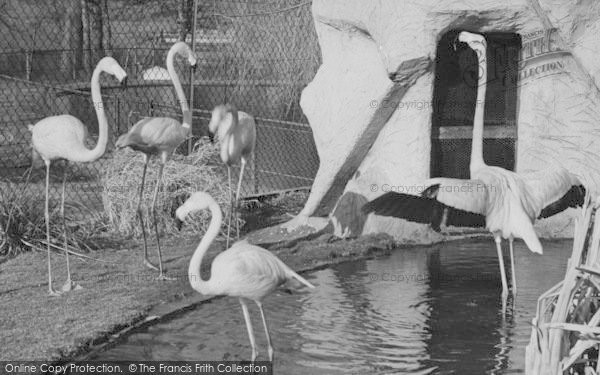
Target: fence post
[[192, 71], [118, 130], [254, 177]]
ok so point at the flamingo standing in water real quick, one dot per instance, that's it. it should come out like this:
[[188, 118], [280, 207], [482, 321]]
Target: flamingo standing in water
[[245, 271], [160, 136], [505, 202], [63, 137], [236, 133]]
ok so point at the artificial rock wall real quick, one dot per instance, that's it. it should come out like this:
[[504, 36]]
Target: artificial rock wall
[[363, 44]]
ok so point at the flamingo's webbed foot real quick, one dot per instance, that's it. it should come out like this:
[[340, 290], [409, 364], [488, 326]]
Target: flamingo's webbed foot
[[150, 265], [53, 293], [69, 285], [297, 222], [504, 302], [163, 277]]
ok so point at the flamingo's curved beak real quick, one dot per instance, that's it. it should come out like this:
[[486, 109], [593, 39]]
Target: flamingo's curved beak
[[455, 42], [211, 137], [178, 224], [124, 82]]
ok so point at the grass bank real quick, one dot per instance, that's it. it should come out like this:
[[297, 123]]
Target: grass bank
[[118, 292]]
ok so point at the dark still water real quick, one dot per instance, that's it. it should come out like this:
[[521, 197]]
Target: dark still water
[[433, 310]]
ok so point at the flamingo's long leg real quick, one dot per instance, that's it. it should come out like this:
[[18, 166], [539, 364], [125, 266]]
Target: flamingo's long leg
[[498, 241], [68, 285], [512, 267], [230, 206], [249, 327], [141, 217], [161, 275], [237, 196], [47, 217], [270, 346]]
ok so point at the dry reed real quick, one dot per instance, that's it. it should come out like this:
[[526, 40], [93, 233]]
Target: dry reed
[[565, 334]]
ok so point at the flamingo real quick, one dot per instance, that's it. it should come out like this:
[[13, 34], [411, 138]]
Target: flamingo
[[236, 133], [63, 137], [245, 271], [160, 136], [505, 202]]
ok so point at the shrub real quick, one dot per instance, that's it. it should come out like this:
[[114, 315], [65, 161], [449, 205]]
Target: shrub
[[23, 225]]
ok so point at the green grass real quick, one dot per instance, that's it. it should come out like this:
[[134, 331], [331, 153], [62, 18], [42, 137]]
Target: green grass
[[118, 291]]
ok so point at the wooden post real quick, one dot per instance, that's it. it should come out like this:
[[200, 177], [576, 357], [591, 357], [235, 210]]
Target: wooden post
[[192, 71]]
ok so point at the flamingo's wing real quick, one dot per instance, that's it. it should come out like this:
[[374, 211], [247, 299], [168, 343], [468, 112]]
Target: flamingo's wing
[[553, 191], [466, 195], [59, 136], [248, 132], [445, 201], [153, 134], [249, 271]]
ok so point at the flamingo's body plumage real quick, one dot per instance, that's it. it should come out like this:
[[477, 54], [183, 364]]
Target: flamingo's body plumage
[[245, 271], [236, 133], [63, 137], [155, 135], [505, 202], [160, 136], [248, 271]]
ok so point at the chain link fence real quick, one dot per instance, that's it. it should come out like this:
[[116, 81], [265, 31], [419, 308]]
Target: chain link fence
[[256, 54]]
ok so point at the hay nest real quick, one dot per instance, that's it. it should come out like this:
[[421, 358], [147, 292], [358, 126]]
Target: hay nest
[[201, 170]]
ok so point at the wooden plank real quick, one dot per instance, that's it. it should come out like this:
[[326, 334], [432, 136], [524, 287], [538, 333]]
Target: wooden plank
[[84, 87], [406, 75], [466, 132]]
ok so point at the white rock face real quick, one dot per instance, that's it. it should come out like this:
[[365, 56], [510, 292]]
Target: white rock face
[[338, 99], [363, 41]]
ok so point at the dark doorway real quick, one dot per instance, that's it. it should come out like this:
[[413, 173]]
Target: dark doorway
[[454, 96]]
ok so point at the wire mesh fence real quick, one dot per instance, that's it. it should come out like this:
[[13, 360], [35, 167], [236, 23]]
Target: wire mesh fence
[[256, 54]]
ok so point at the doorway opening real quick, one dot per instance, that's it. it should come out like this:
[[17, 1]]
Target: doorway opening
[[454, 96]]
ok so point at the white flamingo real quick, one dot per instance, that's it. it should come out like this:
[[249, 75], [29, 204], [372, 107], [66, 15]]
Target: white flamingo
[[505, 202], [245, 271], [63, 137], [236, 133], [160, 136]]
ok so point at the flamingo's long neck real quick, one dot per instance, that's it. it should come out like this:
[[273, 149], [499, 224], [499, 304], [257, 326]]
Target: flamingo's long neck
[[226, 131], [196, 281], [100, 147], [477, 141], [185, 109], [235, 120]]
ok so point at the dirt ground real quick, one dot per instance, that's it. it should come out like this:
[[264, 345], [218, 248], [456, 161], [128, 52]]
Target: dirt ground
[[119, 294]]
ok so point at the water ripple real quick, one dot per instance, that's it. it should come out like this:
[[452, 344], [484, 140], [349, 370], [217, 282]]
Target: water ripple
[[436, 312]]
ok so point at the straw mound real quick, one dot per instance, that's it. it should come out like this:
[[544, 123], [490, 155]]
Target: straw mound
[[183, 175]]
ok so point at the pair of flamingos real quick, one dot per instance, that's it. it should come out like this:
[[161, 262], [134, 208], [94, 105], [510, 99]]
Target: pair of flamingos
[[245, 271]]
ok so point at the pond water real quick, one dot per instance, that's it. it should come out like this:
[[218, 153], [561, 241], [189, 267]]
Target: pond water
[[418, 311]]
